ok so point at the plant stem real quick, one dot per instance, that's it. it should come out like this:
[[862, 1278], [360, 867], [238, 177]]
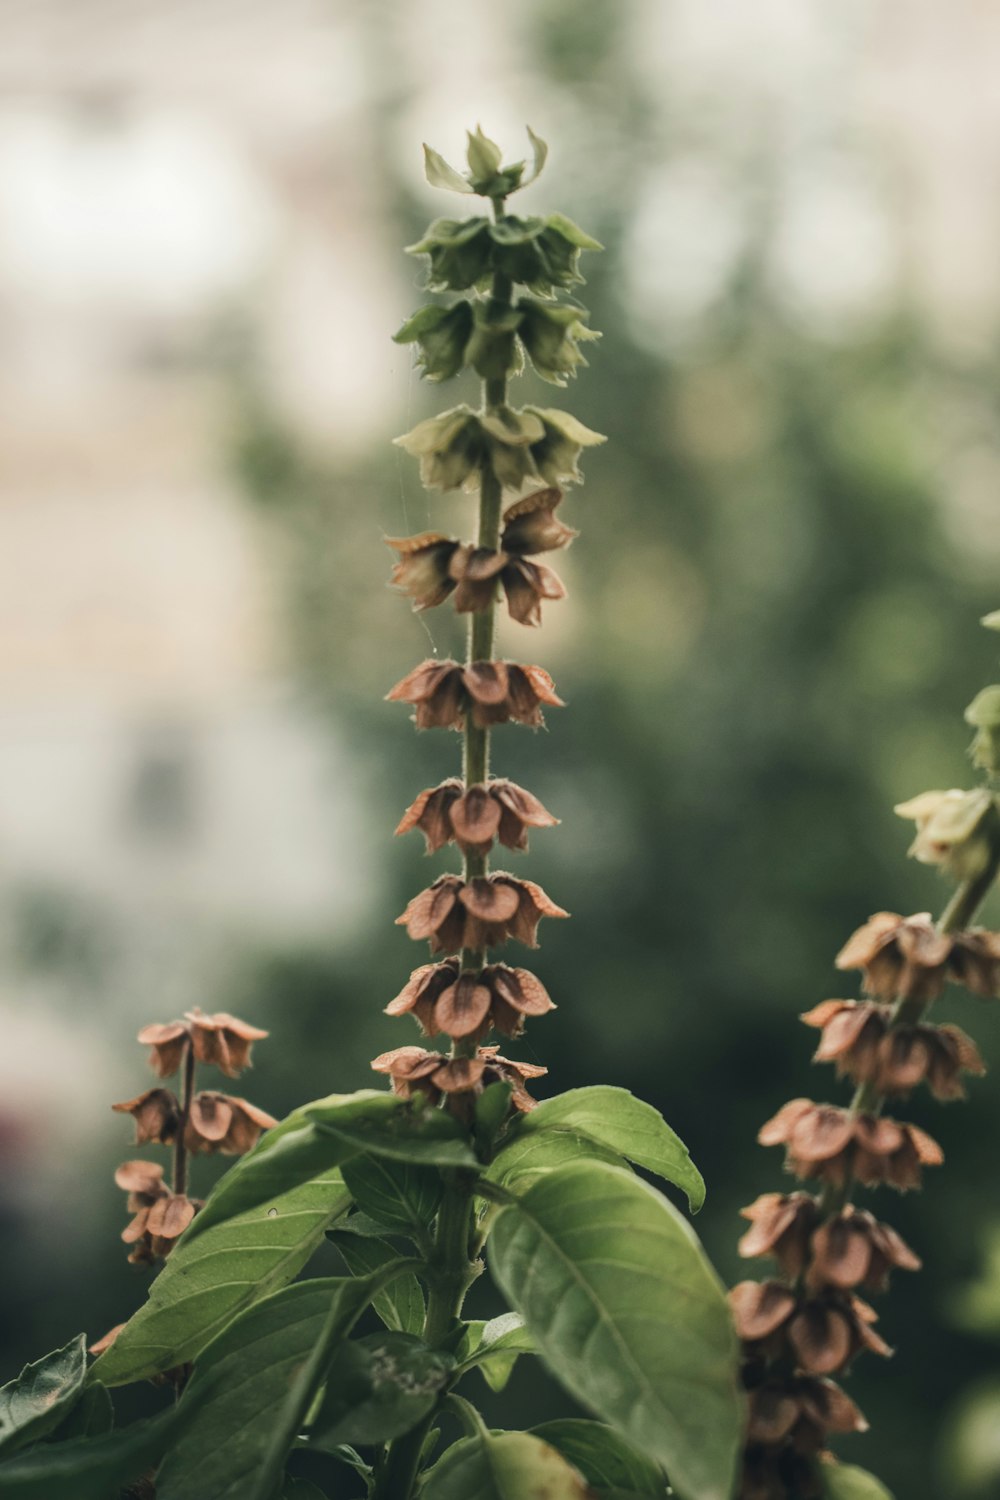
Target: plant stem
[[179, 1183], [451, 1270], [906, 1011]]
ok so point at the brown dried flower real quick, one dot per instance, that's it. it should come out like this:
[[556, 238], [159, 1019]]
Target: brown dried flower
[[156, 1114], [861, 1040], [465, 1004], [908, 956], [160, 1215], [223, 1040], [821, 1333], [802, 1410], [834, 1145], [432, 566], [473, 817], [781, 1225], [480, 913], [493, 692], [854, 1249], [166, 1044], [415, 1070], [219, 1122]]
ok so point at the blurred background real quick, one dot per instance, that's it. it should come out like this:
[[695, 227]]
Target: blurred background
[[772, 628]]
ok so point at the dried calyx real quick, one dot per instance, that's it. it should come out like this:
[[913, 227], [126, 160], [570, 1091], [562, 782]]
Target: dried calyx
[[809, 1325], [504, 275]]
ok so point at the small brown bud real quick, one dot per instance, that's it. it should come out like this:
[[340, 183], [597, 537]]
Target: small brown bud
[[156, 1114], [854, 1249], [861, 1040], [493, 692], [530, 524], [781, 1226], [822, 1333], [473, 817], [834, 1145], [166, 1044], [219, 1122], [422, 571], [223, 1040], [481, 913], [415, 1070], [899, 956], [803, 1410], [443, 1001]]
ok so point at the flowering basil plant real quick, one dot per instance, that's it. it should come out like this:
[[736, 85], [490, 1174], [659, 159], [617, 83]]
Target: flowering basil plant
[[370, 1382]]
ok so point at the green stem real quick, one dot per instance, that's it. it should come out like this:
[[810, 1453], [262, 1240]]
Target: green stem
[[907, 1011]]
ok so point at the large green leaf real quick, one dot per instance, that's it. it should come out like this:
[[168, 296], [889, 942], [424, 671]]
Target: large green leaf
[[618, 1120], [503, 1466], [276, 1165], [604, 1458], [401, 1129], [252, 1388], [42, 1395], [378, 1388], [844, 1482], [208, 1281], [400, 1304], [532, 1154], [88, 1468], [628, 1315]]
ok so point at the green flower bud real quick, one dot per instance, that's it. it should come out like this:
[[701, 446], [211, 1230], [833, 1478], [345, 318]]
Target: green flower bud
[[460, 253], [984, 713], [550, 333], [512, 437], [992, 620], [492, 350], [956, 830], [450, 448], [563, 437], [483, 156], [485, 177], [442, 334]]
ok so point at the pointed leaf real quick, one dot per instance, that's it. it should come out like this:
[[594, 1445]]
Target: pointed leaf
[[88, 1468], [42, 1395], [503, 1466], [410, 1133], [845, 1482], [615, 1118], [530, 1154], [604, 1459], [252, 1388], [628, 1315], [494, 1348], [440, 175], [397, 1195], [483, 156], [540, 152], [399, 1303], [207, 1282]]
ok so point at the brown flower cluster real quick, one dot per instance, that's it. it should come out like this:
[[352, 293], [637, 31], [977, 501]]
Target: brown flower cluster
[[860, 1039], [473, 817], [480, 913], [444, 999], [192, 1123], [799, 1331], [414, 1070], [432, 567], [909, 958], [445, 694]]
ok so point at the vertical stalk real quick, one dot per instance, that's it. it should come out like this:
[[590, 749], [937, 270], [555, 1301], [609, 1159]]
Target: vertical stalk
[[179, 1183]]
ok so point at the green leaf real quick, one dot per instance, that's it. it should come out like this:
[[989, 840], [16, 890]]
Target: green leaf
[[42, 1395], [272, 1168], [503, 1466], [378, 1388], [530, 1154], [615, 1118], [628, 1315], [88, 1468], [494, 1347], [484, 157], [845, 1482], [400, 1303], [251, 1390], [92, 1416], [396, 1128], [540, 152], [208, 1281], [604, 1459], [398, 1195], [572, 233], [440, 175]]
